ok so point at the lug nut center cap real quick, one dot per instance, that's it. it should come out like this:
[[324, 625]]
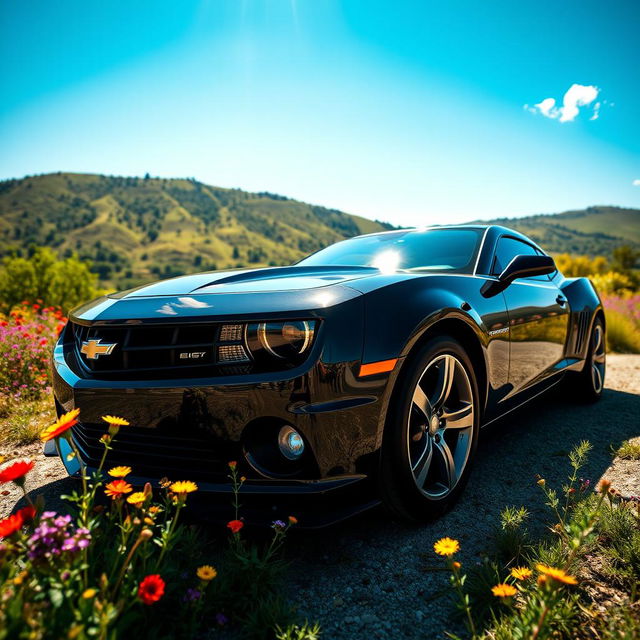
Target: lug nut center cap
[[434, 424]]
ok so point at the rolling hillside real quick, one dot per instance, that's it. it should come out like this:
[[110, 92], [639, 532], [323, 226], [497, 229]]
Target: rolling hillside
[[137, 229], [592, 231]]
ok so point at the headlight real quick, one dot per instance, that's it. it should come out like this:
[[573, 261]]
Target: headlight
[[288, 340]]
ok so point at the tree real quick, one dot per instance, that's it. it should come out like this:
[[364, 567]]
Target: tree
[[625, 258], [42, 276]]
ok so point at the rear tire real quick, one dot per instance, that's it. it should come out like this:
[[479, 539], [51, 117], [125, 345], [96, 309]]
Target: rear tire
[[588, 384], [431, 433]]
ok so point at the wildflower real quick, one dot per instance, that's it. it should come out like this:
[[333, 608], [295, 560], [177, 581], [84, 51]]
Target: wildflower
[[19, 579], [191, 595], [62, 424], [541, 482], [235, 525], [221, 619], [14, 522], [53, 537], [206, 572], [605, 485], [446, 547], [456, 565], [16, 472], [164, 482], [293, 520], [504, 590], [117, 488], [87, 594], [182, 487], [151, 589], [232, 465], [243, 478], [114, 420], [559, 575], [137, 499], [153, 510], [521, 573], [119, 472], [114, 424]]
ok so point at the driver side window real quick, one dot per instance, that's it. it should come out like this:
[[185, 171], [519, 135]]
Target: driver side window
[[507, 250]]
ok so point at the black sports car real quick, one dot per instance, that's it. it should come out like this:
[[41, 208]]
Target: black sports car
[[361, 374]]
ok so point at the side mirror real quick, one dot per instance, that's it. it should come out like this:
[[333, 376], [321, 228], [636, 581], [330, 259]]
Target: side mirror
[[519, 267], [527, 266]]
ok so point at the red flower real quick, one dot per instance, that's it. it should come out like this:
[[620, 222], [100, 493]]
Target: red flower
[[235, 525], [14, 522], [151, 589], [15, 472]]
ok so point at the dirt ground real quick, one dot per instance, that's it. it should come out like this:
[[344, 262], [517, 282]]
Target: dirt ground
[[373, 579]]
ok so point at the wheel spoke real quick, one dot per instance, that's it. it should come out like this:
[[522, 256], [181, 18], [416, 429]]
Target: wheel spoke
[[460, 418], [449, 479], [599, 358], [597, 377], [421, 401], [446, 372], [421, 467], [597, 340]]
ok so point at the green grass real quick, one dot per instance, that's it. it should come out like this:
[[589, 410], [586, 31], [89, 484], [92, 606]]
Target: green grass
[[629, 450], [21, 423]]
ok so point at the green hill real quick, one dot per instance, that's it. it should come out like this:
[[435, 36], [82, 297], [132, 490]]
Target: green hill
[[137, 229], [592, 231]]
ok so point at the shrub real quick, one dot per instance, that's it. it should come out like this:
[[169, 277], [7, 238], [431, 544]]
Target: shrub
[[623, 334], [59, 283], [539, 595], [27, 336], [128, 568]]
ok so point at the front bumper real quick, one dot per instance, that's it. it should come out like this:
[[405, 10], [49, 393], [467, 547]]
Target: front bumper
[[192, 428]]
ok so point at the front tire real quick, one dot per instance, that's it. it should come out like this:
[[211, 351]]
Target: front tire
[[431, 433]]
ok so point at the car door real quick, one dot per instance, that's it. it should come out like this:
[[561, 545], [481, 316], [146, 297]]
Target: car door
[[538, 319]]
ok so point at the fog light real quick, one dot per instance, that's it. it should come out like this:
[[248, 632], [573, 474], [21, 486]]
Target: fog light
[[291, 443]]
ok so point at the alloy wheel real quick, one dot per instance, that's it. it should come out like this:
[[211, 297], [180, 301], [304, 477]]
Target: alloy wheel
[[598, 358], [440, 426]]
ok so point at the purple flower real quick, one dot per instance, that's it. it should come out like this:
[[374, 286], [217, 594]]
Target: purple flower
[[278, 524], [54, 536], [192, 595], [221, 619]]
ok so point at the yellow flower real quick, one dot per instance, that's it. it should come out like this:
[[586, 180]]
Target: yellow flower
[[446, 547], [119, 472], [19, 579], [89, 593], [137, 499], [183, 487], [115, 421], [504, 590], [206, 572], [521, 573], [558, 575]]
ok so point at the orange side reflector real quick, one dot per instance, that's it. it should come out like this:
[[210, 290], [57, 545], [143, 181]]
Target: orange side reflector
[[377, 367]]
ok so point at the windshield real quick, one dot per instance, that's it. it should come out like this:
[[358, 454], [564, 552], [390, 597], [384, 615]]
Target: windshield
[[428, 250]]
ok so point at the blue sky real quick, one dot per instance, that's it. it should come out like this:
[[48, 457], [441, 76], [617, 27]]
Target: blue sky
[[407, 111]]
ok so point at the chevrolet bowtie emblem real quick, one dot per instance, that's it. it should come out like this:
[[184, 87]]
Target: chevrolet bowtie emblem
[[93, 349]]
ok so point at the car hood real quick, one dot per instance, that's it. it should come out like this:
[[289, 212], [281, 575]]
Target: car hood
[[241, 295], [273, 279]]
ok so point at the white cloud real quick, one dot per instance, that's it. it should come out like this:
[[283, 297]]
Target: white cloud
[[578, 95], [636, 183]]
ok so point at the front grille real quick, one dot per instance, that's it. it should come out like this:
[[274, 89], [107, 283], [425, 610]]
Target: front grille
[[154, 453], [185, 350]]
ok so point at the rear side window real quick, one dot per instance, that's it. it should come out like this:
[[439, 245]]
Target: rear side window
[[507, 250]]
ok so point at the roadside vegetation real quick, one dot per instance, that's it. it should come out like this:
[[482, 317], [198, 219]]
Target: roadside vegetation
[[122, 564], [554, 587]]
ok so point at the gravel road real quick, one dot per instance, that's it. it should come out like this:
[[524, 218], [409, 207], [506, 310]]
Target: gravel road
[[368, 577]]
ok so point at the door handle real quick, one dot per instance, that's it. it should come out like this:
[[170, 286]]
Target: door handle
[[561, 300]]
